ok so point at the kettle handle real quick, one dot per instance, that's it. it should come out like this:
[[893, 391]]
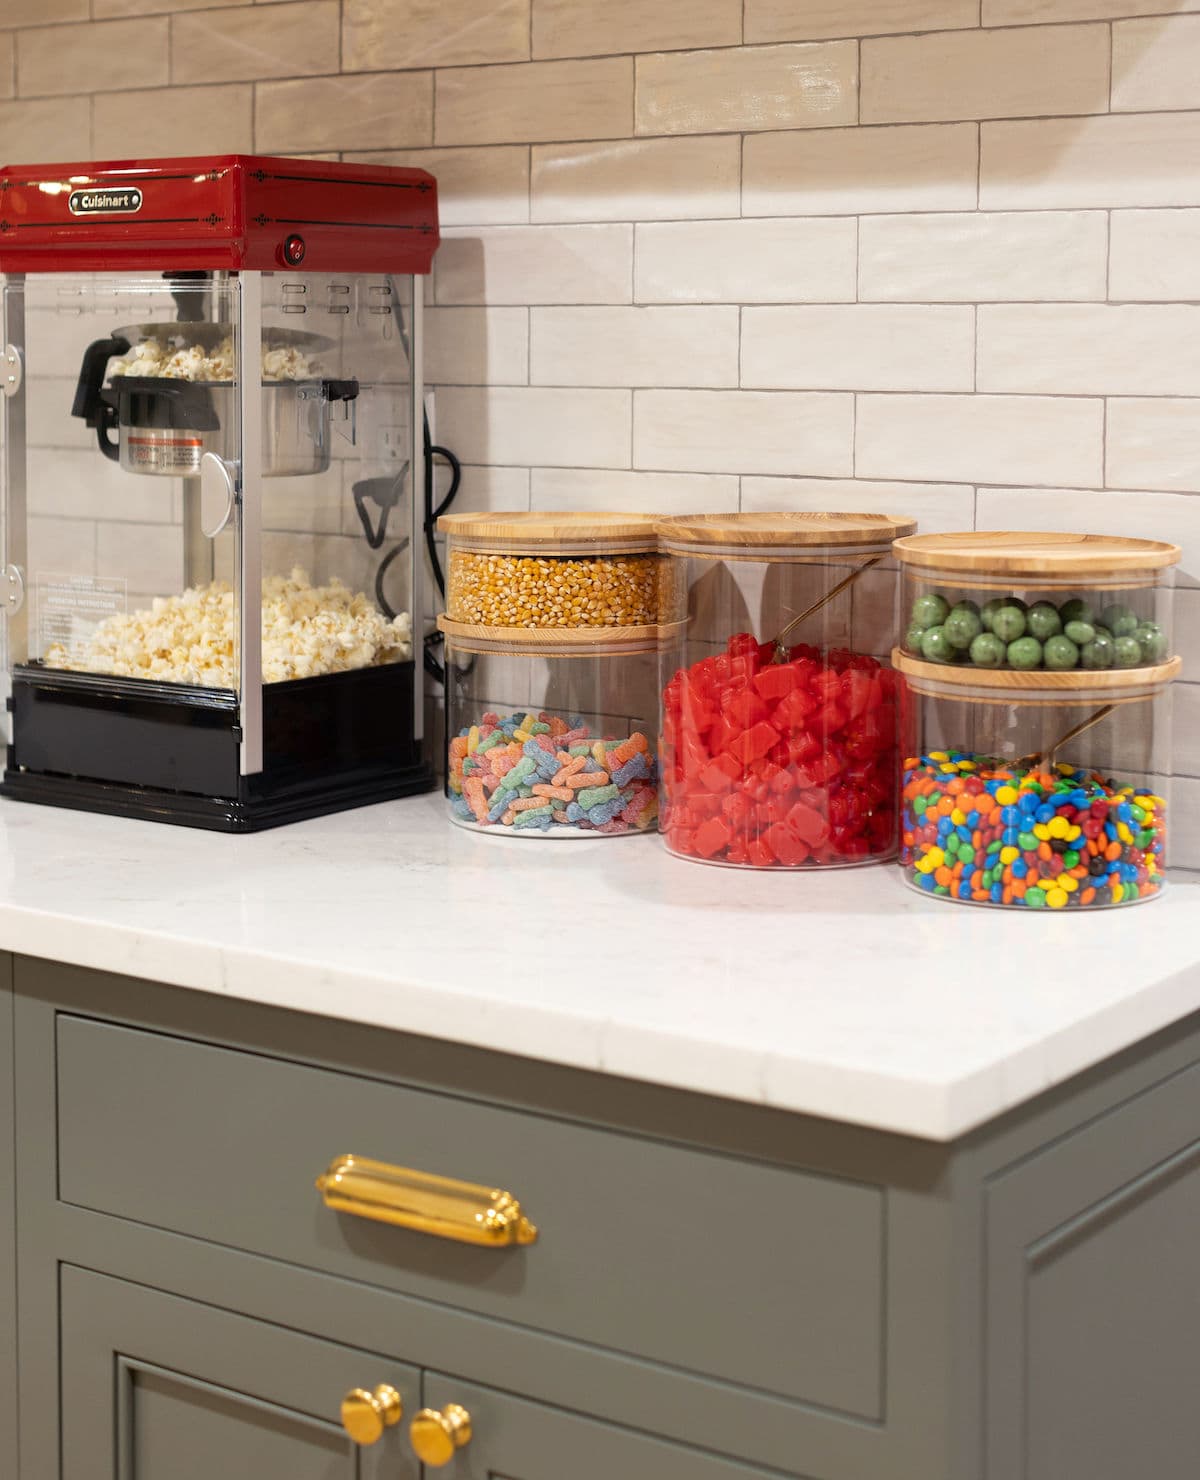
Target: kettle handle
[[90, 401]]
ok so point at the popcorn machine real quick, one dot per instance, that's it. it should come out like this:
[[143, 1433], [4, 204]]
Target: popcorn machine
[[213, 477]]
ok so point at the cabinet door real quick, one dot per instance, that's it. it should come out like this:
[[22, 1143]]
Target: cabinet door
[[159, 1388], [8, 1231], [514, 1439]]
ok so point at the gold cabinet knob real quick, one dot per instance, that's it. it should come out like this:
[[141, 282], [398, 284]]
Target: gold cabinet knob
[[365, 1415], [435, 1436]]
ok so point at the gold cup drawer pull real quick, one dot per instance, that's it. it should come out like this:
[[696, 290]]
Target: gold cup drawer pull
[[365, 1415], [437, 1437], [446, 1208]]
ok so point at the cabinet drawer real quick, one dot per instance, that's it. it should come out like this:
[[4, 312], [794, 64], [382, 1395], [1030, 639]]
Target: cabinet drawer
[[733, 1269]]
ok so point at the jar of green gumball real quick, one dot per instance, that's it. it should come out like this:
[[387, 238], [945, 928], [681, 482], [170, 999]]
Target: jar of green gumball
[[1030, 602]]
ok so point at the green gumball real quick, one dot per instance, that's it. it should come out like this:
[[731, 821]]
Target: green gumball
[[963, 625], [1076, 610], [936, 647], [912, 639], [1043, 621], [1128, 652], [1101, 652], [930, 610], [987, 651], [1060, 652], [1153, 642], [990, 608], [1119, 620], [1008, 623], [1079, 631], [1025, 653]]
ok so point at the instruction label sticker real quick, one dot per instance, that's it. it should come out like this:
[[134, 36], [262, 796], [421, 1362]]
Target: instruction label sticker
[[70, 608]]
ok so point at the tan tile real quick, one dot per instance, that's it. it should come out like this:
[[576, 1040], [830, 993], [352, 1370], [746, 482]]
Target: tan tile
[[1185, 825], [743, 432], [16, 12], [531, 102], [1155, 64], [777, 261], [1135, 160], [107, 9], [291, 40], [814, 20], [1155, 255], [985, 74], [1153, 443], [634, 346], [485, 487], [747, 88], [476, 346], [7, 58], [476, 187], [104, 56], [859, 347], [1022, 12], [382, 35], [636, 492], [526, 425], [973, 438], [935, 506], [221, 116], [637, 179], [352, 112], [922, 167], [42, 132], [975, 256], [1185, 732], [1090, 349], [536, 264], [580, 28], [65, 546]]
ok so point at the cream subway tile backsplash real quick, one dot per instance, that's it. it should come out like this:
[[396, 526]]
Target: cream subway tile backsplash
[[634, 346], [1148, 159], [664, 493], [1022, 12], [985, 74], [104, 56], [536, 264], [16, 12], [486, 486], [1090, 349], [637, 179], [973, 257], [1174, 516], [580, 28], [1185, 728], [941, 506], [1155, 255], [221, 115], [382, 34], [477, 346], [812, 20], [286, 40], [743, 432], [973, 438], [7, 64], [755, 87], [859, 346], [746, 262], [532, 102], [524, 426], [1156, 64], [476, 187], [1153, 442], [841, 171], [105, 9], [360, 111]]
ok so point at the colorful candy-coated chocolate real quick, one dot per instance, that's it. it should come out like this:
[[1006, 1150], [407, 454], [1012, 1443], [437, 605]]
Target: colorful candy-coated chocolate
[[780, 765], [981, 829], [536, 773]]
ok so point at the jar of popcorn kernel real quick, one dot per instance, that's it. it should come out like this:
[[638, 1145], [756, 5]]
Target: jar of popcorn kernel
[[553, 570]]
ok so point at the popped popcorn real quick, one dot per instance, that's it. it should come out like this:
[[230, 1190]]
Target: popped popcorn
[[307, 630], [152, 359]]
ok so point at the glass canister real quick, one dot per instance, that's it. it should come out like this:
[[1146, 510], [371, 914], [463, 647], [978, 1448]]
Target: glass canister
[[1036, 602], [552, 733], [1035, 790], [553, 570], [778, 719]]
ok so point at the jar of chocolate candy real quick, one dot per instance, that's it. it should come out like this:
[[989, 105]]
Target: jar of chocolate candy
[[779, 739]]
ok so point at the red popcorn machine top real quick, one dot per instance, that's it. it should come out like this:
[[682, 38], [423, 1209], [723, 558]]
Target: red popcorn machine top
[[213, 479]]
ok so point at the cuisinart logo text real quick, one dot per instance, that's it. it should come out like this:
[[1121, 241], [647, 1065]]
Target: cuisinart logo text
[[94, 202]]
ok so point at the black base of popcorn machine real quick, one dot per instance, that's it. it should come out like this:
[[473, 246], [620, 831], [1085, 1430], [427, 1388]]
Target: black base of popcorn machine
[[168, 752]]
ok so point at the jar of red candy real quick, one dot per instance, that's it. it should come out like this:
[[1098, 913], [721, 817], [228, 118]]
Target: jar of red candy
[[1037, 790], [778, 741]]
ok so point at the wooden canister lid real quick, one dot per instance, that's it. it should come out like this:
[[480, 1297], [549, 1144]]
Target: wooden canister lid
[[1037, 554], [782, 531], [562, 642], [1019, 684], [567, 532]]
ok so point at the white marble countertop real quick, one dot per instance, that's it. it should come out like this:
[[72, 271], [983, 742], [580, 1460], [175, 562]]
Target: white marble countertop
[[841, 994]]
